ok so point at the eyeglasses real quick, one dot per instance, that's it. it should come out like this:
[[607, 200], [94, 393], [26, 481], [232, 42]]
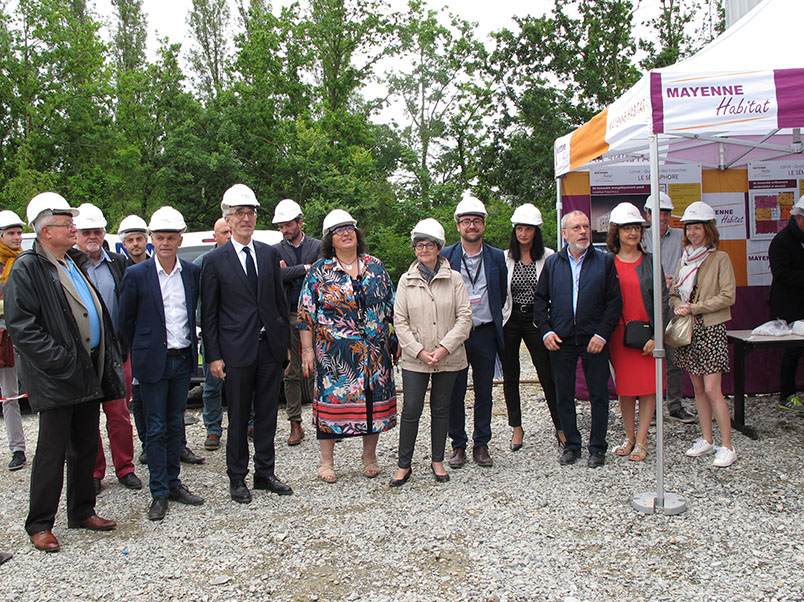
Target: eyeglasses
[[70, 225], [631, 228], [424, 246], [579, 227], [343, 229], [92, 232], [241, 213], [471, 221]]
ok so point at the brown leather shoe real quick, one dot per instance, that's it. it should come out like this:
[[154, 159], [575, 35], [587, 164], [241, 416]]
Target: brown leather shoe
[[458, 458], [45, 541], [93, 523], [213, 442], [480, 454], [296, 433]]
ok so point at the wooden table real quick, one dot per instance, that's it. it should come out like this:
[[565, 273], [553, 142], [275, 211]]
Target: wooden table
[[744, 343]]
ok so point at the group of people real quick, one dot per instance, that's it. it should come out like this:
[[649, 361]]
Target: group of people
[[88, 323]]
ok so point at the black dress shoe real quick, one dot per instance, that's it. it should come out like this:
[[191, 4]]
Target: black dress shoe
[[182, 495], [596, 459], [440, 478], [570, 456], [188, 457], [96, 483], [239, 491], [403, 480], [158, 508], [143, 459], [130, 481], [272, 484], [17, 460]]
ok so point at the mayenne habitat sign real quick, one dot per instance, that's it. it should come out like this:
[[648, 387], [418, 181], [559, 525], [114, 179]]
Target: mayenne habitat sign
[[742, 101]]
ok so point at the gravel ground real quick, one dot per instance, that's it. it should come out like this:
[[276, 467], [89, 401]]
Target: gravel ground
[[526, 529]]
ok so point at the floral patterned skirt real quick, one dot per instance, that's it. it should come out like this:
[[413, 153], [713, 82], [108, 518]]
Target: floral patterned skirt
[[708, 353]]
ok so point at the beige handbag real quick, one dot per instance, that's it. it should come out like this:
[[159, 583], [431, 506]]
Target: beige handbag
[[679, 331]]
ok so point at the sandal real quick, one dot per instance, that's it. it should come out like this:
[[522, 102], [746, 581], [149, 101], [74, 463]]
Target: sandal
[[625, 448], [370, 468], [326, 472], [640, 453]]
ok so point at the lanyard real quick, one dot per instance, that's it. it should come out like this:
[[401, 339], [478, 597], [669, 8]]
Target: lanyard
[[477, 272]]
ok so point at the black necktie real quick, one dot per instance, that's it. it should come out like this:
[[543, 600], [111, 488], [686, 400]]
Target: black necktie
[[251, 270]]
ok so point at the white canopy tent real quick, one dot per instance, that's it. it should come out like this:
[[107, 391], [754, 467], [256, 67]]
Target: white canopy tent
[[740, 99]]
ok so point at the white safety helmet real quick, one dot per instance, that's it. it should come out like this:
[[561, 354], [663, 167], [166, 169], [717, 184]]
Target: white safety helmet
[[9, 219], [167, 219], [239, 195], [625, 213], [335, 218], [430, 229], [698, 212], [527, 215], [798, 208], [469, 205], [89, 217], [665, 202], [286, 211], [131, 224], [45, 201]]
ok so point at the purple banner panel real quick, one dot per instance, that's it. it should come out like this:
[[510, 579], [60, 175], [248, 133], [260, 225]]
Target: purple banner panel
[[579, 202], [656, 102], [789, 99], [621, 189], [770, 184]]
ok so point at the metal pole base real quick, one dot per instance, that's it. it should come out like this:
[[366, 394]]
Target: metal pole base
[[646, 502]]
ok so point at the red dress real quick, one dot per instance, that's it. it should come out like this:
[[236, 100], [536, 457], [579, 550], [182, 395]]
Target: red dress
[[634, 373]]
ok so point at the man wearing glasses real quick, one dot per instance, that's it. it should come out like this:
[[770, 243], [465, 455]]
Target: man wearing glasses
[[484, 274], [69, 362], [244, 318], [576, 308]]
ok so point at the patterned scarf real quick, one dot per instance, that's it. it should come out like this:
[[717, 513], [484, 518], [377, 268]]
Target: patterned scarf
[[427, 273], [691, 261], [7, 258]]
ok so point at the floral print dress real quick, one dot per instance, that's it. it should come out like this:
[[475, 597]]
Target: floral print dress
[[354, 384]]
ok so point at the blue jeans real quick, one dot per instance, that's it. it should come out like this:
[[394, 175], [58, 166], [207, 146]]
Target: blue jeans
[[596, 370], [213, 403], [481, 351], [163, 404]]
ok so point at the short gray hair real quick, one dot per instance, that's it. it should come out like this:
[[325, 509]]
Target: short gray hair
[[566, 217], [39, 222]]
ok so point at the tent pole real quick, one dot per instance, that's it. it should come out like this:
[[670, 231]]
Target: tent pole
[[658, 502], [559, 207]]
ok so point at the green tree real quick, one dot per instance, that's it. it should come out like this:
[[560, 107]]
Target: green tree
[[209, 24], [129, 34]]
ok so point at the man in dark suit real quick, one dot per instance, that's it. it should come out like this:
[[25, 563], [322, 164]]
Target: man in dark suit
[[297, 252], [485, 276], [156, 320], [244, 317]]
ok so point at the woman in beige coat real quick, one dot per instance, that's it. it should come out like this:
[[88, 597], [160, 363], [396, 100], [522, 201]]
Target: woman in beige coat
[[704, 286], [432, 319]]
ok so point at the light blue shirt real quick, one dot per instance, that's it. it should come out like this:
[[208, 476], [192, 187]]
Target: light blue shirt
[[101, 276], [82, 288], [575, 266], [472, 268]]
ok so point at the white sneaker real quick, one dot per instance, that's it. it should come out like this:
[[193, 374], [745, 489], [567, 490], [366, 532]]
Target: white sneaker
[[701, 447], [724, 457]]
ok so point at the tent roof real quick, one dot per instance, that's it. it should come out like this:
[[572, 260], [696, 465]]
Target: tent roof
[[747, 82]]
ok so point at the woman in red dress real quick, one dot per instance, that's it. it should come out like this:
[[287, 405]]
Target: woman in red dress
[[634, 369]]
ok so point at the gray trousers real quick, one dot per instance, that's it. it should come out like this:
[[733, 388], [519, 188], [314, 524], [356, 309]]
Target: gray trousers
[[11, 409], [675, 390], [414, 386], [293, 375]]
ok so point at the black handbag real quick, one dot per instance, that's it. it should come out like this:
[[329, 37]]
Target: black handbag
[[637, 333]]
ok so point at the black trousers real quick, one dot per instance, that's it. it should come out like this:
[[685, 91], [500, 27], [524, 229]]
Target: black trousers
[[258, 383], [414, 385], [70, 434], [518, 328], [787, 375]]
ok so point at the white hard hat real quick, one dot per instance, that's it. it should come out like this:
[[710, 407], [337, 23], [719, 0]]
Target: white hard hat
[[335, 218], [469, 205], [286, 211], [625, 213], [665, 202], [527, 215], [89, 217], [798, 208], [430, 229], [9, 219], [698, 212], [167, 219], [239, 195], [45, 201], [132, 223]]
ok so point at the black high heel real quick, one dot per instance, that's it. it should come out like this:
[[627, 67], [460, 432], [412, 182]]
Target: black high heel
[[561, 444], [403, 480], [441, 478], [518, 446]]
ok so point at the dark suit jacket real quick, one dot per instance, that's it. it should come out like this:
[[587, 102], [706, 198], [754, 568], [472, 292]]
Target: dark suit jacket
[[496, 280], [141, 317], [231, 316], [293, 275]]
